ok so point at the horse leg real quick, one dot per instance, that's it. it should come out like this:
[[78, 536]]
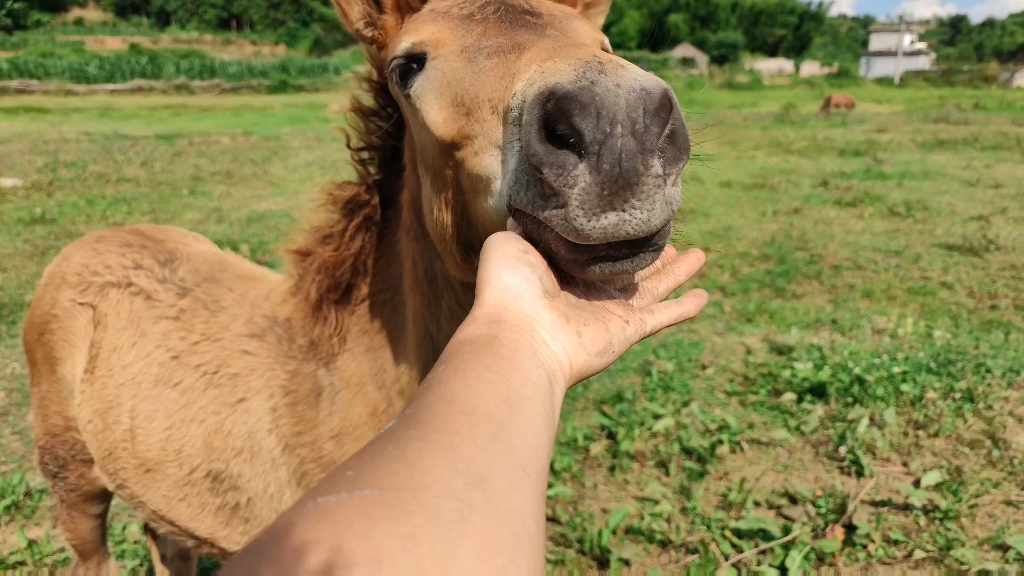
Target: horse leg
[[57, 340], [170, 557], [82, 503]]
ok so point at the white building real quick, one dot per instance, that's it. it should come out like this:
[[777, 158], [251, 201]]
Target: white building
[[1013, 79], [889, 44], [772, 66]]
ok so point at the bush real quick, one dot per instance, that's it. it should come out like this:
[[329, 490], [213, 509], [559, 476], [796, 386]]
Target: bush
[[16, 15], [744, 80], [964, 75], [26, 41], [726, 47], [649, 61], [847, 70], [168, 53], [789, 113]]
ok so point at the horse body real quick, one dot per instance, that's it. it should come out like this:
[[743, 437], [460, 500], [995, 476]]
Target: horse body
[[835, 102], [140, 338], [210, 393]]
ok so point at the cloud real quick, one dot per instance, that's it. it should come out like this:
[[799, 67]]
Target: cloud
[[995, 8], [927, 9], [842, 7]]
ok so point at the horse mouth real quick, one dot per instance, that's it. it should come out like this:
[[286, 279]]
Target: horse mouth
[[595, 262]]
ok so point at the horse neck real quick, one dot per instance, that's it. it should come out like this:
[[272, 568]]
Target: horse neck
[[423, 315]]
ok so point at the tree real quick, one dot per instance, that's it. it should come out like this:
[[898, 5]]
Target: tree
[[780, 27], [725, 47], [772, 27], [959, 40], [307, 24], [842, 39]]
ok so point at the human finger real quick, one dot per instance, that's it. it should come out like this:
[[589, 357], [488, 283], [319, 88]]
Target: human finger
[[667, 255], [661, 315], [672, 274], [512, 226]]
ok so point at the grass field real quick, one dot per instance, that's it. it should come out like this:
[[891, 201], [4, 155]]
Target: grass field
[[865, 328]]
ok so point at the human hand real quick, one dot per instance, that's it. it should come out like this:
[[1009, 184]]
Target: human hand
[[580, 331]]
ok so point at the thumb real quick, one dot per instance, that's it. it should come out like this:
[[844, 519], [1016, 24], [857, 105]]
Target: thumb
[[513, 226]]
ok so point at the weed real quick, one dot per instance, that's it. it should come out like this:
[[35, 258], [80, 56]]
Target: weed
[[33, 553], [910, 209], [18, 498], [977, 243], [789, 113]]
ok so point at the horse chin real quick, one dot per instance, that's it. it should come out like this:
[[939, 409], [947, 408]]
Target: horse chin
[[610, 263]]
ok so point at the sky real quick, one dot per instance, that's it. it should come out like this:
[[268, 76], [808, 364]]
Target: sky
[[978, 10]]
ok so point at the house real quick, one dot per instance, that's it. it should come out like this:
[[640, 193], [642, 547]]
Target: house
[[894, 50], [773, 66], [1013, 79], [809, 68], [690, 56]]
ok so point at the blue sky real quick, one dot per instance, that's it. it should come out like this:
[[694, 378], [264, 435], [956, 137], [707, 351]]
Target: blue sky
[[923, 9]]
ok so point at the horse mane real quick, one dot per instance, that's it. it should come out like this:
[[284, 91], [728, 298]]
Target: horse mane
[[331, 266]]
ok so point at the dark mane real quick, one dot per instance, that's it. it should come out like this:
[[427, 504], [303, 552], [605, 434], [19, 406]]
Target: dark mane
[[330, 266]]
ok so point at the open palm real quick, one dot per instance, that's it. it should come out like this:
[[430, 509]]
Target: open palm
[[583, 327]]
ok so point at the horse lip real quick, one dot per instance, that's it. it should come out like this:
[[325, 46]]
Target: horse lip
[[599, 261]]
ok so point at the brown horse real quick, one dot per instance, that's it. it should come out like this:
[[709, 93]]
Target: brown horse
[[835, 102], [209, 393]]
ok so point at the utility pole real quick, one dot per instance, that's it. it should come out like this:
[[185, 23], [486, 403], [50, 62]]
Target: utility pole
[[899, 52]]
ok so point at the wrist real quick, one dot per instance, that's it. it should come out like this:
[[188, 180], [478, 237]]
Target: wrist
[[517, 347]]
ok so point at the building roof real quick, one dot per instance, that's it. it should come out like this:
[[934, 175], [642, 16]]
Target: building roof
[[687, 50]]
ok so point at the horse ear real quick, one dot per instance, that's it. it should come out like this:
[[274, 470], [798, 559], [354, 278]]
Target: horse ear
[[594, 10], [402, 9], [374, 22]]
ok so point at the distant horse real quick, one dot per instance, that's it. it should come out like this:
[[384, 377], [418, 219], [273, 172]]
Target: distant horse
[[210, 393], [835, 102]]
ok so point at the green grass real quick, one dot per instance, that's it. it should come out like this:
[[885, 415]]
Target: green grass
[[865, 323], [17, 42]]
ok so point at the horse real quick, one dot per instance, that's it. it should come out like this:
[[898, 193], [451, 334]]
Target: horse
[[210, 393], [837, 102]]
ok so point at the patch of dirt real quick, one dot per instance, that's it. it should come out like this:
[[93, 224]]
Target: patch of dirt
[[91, 13], [768, 469], [41, 523], [338, 108], [7, 54]]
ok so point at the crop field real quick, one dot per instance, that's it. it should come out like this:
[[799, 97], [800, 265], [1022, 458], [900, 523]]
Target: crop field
[[74, 60], [853, 395]]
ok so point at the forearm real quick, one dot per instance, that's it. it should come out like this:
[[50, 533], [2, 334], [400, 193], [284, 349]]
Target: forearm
[[456, 484]]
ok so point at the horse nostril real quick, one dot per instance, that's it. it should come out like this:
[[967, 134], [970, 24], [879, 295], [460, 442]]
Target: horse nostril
[[560, 134], [674, 139]]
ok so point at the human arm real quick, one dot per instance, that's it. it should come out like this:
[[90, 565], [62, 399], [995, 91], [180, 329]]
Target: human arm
[[458, 482]]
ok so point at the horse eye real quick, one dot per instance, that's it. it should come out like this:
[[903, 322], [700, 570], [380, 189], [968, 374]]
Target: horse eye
[[406, 69]]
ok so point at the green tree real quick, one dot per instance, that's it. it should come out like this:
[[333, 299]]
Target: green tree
[[842, 39], [725, 47], [772, 27], [958, 40], [780, 27]]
